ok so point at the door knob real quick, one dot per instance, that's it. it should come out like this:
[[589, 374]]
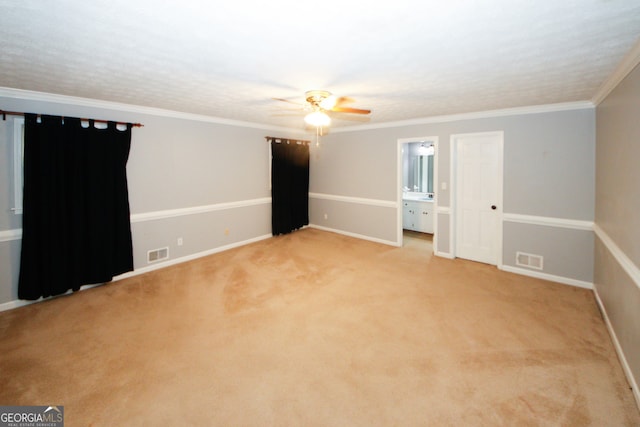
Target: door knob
[[493, 207]]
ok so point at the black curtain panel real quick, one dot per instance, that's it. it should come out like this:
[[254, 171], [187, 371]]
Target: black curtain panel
[[76, 222], [289, 185]]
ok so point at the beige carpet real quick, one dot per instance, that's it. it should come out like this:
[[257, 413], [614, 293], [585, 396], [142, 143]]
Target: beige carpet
[[318, 329]]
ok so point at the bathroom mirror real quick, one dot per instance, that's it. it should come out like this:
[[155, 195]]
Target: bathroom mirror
[[423, 173], [418, 168]]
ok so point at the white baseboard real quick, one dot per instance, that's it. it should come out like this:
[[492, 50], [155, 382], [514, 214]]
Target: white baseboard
[[447, 255], [547, 276], [623, 360], [21, 303], [170, 262], [357, 236], [10, 305]]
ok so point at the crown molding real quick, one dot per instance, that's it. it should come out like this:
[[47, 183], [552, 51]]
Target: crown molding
[[130, 108], [516, 111], [628, 63], [117, 106]]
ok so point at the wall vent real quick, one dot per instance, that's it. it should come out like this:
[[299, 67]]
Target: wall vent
[[529, 260], [157, 255]]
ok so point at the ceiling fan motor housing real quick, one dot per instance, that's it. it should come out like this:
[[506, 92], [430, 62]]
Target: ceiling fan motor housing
[[315, 97]]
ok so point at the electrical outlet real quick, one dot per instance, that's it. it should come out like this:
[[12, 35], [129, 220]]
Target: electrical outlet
[[180, 241], [326, 216]]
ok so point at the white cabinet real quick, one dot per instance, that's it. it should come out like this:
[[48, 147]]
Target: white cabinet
[[417, 216], [408, 215]]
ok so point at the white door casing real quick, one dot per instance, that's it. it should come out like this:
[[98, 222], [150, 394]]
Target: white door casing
[[477, 171], [401, 144]]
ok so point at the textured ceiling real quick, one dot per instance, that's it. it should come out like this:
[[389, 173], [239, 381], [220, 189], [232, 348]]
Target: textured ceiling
[[402, 59]]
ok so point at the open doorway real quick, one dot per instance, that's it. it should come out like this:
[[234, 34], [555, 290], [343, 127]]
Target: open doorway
[[416, 187]]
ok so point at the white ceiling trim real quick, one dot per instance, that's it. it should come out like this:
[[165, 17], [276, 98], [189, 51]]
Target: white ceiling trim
[[534, 109], [117, 106], [628, 63]]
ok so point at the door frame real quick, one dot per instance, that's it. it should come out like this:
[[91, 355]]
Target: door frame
[[400, 145], [453, 219]]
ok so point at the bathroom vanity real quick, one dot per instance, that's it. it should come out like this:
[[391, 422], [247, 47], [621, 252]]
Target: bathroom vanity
[[417, 213], [418, 186]]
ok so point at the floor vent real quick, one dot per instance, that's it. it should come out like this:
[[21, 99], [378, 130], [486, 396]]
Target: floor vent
[[157, 255], [529, 260]]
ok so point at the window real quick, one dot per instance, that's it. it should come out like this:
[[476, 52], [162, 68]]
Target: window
[[18, 162], [18, 158]]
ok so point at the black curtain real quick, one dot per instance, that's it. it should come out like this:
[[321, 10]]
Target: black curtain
[[76, 222], [289, 185]]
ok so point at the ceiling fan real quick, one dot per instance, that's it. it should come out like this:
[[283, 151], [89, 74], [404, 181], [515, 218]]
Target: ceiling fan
[[321, 102]]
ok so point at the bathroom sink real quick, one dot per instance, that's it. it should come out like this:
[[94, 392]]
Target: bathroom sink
[[422, 197]]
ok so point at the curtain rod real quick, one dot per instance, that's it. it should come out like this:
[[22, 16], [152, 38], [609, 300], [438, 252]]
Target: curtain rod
[[277, 139], [15, 113]]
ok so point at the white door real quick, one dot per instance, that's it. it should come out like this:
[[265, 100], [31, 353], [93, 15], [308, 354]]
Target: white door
[[478, 167]]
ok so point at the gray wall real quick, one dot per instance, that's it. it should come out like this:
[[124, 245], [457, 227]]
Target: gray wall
[[618, 214], [177, 163], [174, 164], [549, 171], [550, 165]]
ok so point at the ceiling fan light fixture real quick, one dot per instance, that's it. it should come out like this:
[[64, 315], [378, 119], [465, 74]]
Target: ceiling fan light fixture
[[317, 119], [329, 102]]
